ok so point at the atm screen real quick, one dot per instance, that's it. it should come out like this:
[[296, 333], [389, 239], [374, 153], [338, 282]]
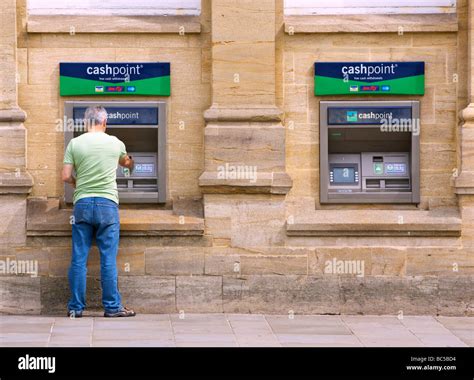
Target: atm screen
[[344, 175], [144, 168]]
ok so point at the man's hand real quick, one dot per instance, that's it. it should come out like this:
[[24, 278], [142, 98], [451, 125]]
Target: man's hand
[[67, 176], [127, 162]]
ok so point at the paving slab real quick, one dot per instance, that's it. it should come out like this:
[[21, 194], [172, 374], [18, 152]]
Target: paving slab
[[132, 343], [320, 340], [237, 330], [39, 327], [130, 334], [314, 325], [23, 344], [441, 340]]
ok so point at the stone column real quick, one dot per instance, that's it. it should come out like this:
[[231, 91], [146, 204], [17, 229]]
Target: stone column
[[243, 130], [15, 182]]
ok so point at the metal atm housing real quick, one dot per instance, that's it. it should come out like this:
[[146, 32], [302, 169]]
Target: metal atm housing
[[360, 162], [145, 139]]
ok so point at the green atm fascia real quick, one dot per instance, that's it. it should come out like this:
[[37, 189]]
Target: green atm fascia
[[141, 125], [369, 152]]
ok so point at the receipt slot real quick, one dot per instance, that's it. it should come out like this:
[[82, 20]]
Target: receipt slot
[[369, 152], [142, 128]]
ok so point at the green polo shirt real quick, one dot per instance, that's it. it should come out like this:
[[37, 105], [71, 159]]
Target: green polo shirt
[[95, 157]]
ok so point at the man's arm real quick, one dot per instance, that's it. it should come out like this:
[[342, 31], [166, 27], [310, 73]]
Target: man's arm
[[67, 176], [127, 162]]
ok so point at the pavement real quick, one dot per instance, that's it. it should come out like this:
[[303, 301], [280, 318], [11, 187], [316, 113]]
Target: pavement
[[237, 330]]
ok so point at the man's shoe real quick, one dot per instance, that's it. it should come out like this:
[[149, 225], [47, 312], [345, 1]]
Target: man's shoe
[[74, 314], [124, 312]]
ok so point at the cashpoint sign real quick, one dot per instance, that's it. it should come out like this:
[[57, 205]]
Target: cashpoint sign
[[122, 115], [101, 78], [366, 115], [369, 78]]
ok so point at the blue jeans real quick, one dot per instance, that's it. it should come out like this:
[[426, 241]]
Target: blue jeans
[[95, 217]]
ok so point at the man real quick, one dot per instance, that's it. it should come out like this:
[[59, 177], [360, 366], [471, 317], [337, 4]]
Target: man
[[94, 156]]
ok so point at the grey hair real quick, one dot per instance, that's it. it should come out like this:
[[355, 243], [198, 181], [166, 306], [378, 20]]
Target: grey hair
[[95, 116]]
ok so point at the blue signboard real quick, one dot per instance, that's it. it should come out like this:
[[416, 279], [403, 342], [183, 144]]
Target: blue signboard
[[122, 115], [366, 115]]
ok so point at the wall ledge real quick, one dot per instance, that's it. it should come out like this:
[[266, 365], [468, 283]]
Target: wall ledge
[[445, 222], [45, 218], [14, 115], [389, 23], [217, 113], [266, 183], [15, 183], [464, 183], [113, 24]]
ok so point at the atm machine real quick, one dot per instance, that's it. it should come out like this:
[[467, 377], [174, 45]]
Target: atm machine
[[142, 127], [369, 152]]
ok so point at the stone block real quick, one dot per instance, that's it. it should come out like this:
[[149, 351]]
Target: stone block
[[222, 262], [238, 80], [187, 133], [219, 228], [245, 144], [281, 294], [428, 40], [148, 294], [389, 295], [305, 183], [130, 262], [184, 183], [322, 260], [55, 294], [296, 104], [20, 295], [273, 264], [437, 133], [174, 261], [74, 41], [456, 295], [12, 141], [438, 156], [185, 106], [439, 262], [253, 23], [436, 183], [388, 261], [13, 225], [199, 294], [185, 156], [38, 256], [258, 223]]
